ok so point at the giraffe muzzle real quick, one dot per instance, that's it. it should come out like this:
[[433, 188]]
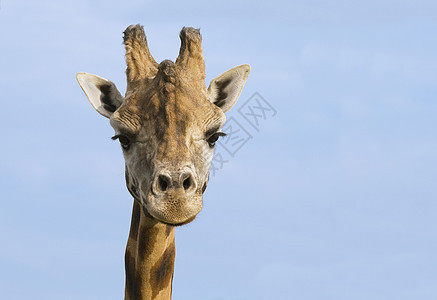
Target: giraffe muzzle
[[174, 197]]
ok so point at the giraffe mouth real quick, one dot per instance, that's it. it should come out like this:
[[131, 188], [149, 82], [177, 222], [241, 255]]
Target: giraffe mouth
[[164, 221], [178, 224], [173, 209]]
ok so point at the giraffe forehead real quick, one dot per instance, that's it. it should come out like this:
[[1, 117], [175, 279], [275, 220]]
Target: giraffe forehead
[[168, 113]]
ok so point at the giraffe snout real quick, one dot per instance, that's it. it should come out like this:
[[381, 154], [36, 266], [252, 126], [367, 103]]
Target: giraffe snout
[[174, 196], [166, 182]]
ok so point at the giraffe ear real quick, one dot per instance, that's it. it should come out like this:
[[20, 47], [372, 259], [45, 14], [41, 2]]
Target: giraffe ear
[[225, 89], [102, 94]]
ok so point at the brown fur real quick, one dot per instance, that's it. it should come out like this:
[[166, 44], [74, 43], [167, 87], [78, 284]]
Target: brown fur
[[149, 259]]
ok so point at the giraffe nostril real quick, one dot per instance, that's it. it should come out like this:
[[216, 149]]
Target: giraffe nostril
[[163, 182], [187, 183], [173, 182]]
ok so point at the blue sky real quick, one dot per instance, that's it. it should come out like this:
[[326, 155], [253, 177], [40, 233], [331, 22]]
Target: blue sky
[[333, 198]]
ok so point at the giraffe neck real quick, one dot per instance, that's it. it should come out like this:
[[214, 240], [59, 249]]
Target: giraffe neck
[[149, 259]]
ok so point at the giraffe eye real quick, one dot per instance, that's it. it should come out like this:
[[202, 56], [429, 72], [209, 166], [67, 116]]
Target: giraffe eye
[[124, 141], [213, 138]]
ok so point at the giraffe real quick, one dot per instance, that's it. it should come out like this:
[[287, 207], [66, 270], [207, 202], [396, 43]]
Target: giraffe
[[167, 125]]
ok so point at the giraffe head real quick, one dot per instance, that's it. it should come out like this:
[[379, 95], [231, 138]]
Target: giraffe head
[[167, 123]]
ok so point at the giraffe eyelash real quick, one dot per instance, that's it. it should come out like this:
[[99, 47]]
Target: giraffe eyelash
[[214, 138], [125, 142]]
